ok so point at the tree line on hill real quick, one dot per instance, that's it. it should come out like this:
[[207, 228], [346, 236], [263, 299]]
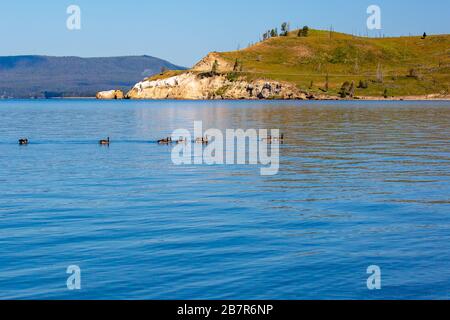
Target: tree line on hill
[[285, 29]]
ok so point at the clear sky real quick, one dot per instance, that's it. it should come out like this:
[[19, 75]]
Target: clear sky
[[183, 31]]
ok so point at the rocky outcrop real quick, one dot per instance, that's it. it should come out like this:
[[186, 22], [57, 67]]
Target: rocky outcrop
[[203, 86], [110, 95], [206, 64]]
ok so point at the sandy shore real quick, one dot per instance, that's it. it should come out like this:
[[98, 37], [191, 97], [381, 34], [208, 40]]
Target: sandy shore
[[432, 97], [409, 98]]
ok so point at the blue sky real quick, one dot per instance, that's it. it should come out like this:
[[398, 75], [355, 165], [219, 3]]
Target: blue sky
[[182, 31]]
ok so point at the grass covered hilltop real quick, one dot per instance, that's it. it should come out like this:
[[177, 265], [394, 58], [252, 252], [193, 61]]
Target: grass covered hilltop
[[404, 66], [319, 64]]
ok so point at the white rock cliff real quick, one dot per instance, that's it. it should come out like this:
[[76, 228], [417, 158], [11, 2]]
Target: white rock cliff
[[201, 86]]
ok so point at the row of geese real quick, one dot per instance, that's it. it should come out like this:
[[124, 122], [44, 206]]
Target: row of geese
[[205, 140], [169, 140], [25, 141]]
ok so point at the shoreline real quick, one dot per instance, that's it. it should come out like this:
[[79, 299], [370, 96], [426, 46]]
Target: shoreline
[[358, 98], [363, 98], [431, 97]]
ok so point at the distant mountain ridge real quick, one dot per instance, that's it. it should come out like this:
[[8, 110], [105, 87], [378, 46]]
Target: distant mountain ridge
[[34, 76]]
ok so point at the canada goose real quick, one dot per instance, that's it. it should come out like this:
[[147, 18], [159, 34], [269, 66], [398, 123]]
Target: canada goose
[[23, 142], [203, 140], [271, 139], [280, 138], [165, 141], [181, 140], [104, 142]]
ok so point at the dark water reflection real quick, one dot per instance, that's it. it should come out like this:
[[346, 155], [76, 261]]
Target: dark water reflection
[[359, 184]]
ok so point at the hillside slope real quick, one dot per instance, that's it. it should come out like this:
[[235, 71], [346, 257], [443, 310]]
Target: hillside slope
[[44, 76], [403, 65], [319, 64]]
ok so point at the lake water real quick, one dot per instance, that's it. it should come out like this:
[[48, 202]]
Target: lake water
[[359, 184]]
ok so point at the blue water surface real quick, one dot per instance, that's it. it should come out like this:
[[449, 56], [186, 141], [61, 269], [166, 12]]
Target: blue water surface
[[360, 184]]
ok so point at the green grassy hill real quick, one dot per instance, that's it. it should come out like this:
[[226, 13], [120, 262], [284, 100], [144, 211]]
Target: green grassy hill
[[402, 65]]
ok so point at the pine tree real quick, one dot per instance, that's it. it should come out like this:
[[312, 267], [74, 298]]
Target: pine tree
[[305, 31], [363, 84], [345, 89], [215, 67], [285, 29], [275, 32], [351, 91], [236, 65]]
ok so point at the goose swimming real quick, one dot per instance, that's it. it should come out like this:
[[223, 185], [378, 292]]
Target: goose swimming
[[104, 142]]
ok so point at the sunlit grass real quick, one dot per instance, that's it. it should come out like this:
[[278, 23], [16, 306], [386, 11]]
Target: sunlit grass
[[306, 61]]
